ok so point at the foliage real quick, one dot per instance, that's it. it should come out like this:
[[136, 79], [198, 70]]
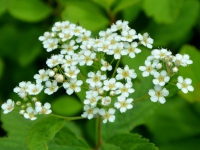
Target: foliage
[[173, 24]]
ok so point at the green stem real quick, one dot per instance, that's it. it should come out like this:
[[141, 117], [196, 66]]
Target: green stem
[[141, 98], [116, 68], [67, 118], [99, 142]]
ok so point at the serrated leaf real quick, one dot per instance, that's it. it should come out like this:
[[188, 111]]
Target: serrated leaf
[[43, 131], [192, 71], [129, 141], [30, 11], [66, 105], [164, 35], [17, 128], [78, 11], [124, 4], [165, 11]]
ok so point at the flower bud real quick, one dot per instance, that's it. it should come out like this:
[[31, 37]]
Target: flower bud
[[55, 69], [112, 93], [28, 104], [21, 112], [18, 103], [51, 73], [23, 106], [106, 101], [169, 64], [34, 99], [177, 63], [175, 69], [59, 77]]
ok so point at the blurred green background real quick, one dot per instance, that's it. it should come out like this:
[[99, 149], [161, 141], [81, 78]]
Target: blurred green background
[[173, 24]]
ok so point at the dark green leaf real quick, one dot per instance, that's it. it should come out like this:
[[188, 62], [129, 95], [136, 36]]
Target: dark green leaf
[[165, 11], [3, 6], [129, 141], [106, 4], [1, 67], [86, 14], [171, 34], [43, 131], [30, 11]]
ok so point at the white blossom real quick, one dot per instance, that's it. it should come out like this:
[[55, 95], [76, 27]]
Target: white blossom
[[66, 34], [119, 25], [182, 60], [50, 44], [132, 49], [161, 53], [34, 89], [42, 76], [92, 98], [54, 60], [21, 90], [125, 89], [161, 78], [51, 87], [71, 71], [95, 78], [185, 84], [69, 48], [46, 109], [8, 106], [110, 84], [30, 113], [105, 65], [158, 94], [72, 86], [129, 35], [87, 58], [89, 111], [123, 104], [106, 100], [125, 73], [148, 69], [145, 40], [107, 115]]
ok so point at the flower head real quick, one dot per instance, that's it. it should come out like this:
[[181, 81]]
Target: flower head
[[185, 84], [8, 106]]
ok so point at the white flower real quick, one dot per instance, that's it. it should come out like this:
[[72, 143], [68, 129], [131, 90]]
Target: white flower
[[113, 39], [92, 98], [69, 48], [119, 25], [78, 30], [57, 26], [105, 65], [50, 44], [51, 87], [105, 34], [87, 58], [8, 106], [30, 113], [132, 49], [45, 37], [185, 84], [95, 79], [104, 46], [46, 109], [118, 51], [22, 89], [84, 37], [148, 68], [54, 60], [123, 104], [66, 34], [125, 90], [129, 36], [182, 60], [126, 73], [70, 60], [42, 76], [71, 71], [161, 53], [145, 40], [106, 101], [90, 111], [107, 115], [158, 94], [34, 89], [110, 84], [161, 78], [72, 86]]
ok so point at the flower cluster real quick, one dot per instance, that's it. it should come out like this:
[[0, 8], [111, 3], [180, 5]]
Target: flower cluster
[[162, 65], [91, 65]]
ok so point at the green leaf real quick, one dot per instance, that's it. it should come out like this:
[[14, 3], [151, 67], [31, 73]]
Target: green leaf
[[192, 71], [56, 147], [86, 14], [1, 67], [43, 131], [30, 11], [3, 6], [65, 137], [132, 12], [66, 105], [129, 141], [125, 122], [165, 11], [106, 4], [164, 35], [124, 4], [17, 128], [175, 120]]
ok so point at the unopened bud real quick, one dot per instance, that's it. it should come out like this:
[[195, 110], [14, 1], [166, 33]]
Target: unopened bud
[[21, 112], [169, 64], [177, 63], [175, 69], [18, 103], [34, 99], [51, 73], [59, 77], [101, 91], [112, 93], [23, 106], [159, 66], [28, 104], [55, 69], [106, 101], [171, 57], [25, 99], [166, 59]]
